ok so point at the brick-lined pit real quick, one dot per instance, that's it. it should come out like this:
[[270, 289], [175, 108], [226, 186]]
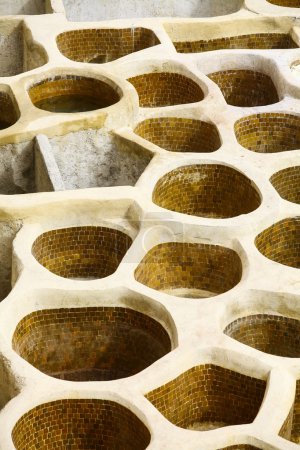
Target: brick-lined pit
[[286, 3], [99, 343], [277, 335], [166, 89], [291, 427], [190, 270], [81, 252], [72, 93], [260, 41], [207, 397], [245, 88], [240, 447], [281, 242], [206, 190], [9, 113], [287, 183], [269, 132], [87, 424], [93, 45], [180, 134]]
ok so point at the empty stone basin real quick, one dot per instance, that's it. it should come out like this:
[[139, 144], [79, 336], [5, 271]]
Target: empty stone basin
[[287, 183], [245, 88], [281, 242], [190, 270], [9, 111], [277, 335], [104, 45], [93, 10], [90, 344], [9, 7], [81, 252], [208, 397], [206, 190], [269, 132], [180, 134], [286, 3], [80, 424], [72, 93], [165, 89]]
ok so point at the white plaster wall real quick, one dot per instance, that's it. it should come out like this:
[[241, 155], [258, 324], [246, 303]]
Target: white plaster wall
[[92, 10], [8, 7]]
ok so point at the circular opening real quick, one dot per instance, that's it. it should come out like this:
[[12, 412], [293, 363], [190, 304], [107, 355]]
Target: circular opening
[[286, 3], [72, 93], [9, 113], [209, 397], [80, 424], [207, 190], [165, 89], [104, 45], [180, 135], [81, 252], [245, 88], [90, 344], [190, 270], [276, 335], [269, 132], [281, 242], [287, 183], [263, 40]]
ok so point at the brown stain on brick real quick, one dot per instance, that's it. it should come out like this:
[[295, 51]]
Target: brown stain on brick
[[90, 344], [209, 396], [81, 252], [211, 269], [260, 41], [281, 242], [180, 134], [269, 132], [277, 335], [206, 190], [287, 183], [166, 89], [93, 45], [87, 424], [245, 88]]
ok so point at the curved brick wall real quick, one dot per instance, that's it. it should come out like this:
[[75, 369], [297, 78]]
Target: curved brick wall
[[190, 270], [269, 132], [104, 45], [281, 242], [286, 3], [81, 252], [206, 190], [276, 335], [180, 134], [90, 344], [9, 113], [72, 93], [86, 424], [207, 397], [291, 427], [245, 88], [165, 89], [287, 183], [263, 41]]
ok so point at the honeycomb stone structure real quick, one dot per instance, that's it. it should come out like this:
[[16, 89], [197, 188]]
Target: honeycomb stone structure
[[149, 225]]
